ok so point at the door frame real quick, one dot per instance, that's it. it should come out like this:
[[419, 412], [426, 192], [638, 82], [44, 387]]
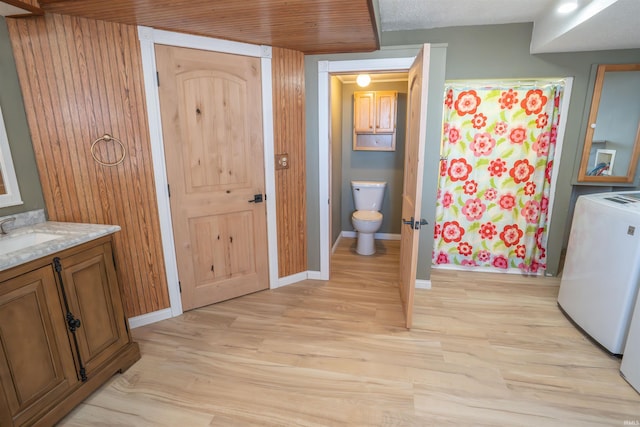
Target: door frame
[[325, 69], [148, 38]]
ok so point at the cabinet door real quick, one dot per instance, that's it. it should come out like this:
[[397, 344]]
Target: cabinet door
[[36, 363], [93, 295], [386, 112], [363, 112]]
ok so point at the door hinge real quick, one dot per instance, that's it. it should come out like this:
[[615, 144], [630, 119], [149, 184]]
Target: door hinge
[[158, 78], [57, 265]]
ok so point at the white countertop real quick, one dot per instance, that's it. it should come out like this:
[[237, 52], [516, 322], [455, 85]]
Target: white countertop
[[71, 234]]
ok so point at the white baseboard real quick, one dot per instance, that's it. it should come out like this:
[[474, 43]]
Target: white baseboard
[[335, 245], [288, 280], [315, 275], [509, 270], [423, 284], [298, 277], [148, 318], [379, 236]]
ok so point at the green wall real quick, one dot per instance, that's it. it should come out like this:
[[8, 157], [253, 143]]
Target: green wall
[[475, 52], [311, 106], [435, 100], [336, 157], [387, 166], [15, 120], [434, 124], [502, 51]]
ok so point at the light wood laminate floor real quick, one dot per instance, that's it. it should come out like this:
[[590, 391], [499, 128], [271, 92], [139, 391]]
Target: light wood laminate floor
[[485, 350]]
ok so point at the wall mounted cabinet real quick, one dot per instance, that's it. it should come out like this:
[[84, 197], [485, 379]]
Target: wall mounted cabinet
[[374, 120], [64, 333]]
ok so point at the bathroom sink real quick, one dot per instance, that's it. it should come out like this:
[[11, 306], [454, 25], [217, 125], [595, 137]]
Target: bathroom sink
[[23, 241]]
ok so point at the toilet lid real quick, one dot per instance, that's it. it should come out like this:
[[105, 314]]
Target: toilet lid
[[367, 215]]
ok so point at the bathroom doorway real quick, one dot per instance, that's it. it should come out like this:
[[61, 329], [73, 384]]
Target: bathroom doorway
[[330, 183], [413, 165], [350, 163]]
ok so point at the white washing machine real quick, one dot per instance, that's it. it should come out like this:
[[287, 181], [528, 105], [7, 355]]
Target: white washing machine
[[600, 278], [630, 367]]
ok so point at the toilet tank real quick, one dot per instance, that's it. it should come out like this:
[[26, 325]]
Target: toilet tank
[[368, 195]]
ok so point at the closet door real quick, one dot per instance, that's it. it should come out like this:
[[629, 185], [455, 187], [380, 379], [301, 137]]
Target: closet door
[[212, 129]]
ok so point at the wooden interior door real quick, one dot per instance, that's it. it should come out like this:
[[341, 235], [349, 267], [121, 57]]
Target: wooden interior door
[[413, 172], [211, 111]]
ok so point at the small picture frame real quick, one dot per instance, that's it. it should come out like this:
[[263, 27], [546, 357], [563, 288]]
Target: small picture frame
[[603, 164]]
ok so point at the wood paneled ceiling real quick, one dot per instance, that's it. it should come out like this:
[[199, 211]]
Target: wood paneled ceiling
[[309, 26]]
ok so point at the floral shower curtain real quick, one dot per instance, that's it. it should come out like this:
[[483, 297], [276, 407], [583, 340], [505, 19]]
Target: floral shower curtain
[[495, 174]]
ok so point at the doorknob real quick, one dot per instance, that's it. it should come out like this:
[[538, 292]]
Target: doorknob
[[415, 225], [257, 198]]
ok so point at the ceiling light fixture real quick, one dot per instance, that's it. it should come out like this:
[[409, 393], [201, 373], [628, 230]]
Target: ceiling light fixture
[[568, 6], [363, 80]]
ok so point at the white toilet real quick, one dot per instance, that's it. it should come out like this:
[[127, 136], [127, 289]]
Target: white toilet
[[367, 218]]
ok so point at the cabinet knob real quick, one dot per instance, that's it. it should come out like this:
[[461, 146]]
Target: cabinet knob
[[72, 322]]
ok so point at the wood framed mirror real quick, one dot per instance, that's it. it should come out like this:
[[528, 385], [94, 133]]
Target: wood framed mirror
[[612, 139], [9, 190]]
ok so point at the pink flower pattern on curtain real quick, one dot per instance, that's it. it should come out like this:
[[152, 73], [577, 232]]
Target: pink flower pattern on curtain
[[493, 195]]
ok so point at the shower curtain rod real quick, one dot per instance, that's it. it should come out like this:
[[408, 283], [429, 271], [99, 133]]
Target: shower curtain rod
[[510, 83]]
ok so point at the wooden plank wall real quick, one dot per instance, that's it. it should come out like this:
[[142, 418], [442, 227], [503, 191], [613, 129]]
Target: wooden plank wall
[[81, 79], [289, 137]]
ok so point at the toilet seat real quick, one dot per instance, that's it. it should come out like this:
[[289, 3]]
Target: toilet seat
[[367, 215]]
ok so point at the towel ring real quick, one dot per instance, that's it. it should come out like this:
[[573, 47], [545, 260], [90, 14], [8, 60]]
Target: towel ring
[[106, 138]]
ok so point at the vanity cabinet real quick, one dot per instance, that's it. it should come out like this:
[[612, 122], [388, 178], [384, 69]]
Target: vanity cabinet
[[63, 333], [36, 364], [374, 120], [89, 281]]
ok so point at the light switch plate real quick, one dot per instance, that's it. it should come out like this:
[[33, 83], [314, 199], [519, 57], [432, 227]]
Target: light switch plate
[[282, 161]]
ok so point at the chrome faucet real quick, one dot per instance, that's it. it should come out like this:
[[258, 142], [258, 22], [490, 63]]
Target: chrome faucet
[[3, 222]]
